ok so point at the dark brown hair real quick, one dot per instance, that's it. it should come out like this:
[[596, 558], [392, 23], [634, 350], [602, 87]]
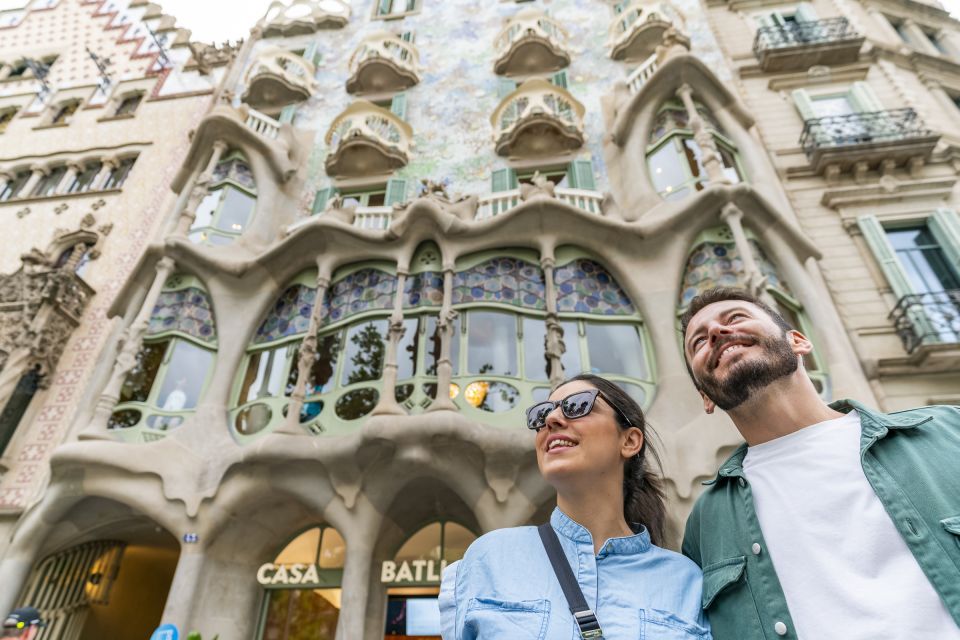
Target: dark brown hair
[[642, 487], [722, 294]]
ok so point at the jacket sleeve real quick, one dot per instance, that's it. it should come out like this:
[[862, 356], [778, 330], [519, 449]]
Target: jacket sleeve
[[449, 611]]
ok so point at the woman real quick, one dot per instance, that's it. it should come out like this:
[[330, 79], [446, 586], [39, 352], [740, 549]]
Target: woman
[[592, 448]]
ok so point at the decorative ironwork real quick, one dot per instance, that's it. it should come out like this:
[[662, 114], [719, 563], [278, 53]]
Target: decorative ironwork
[[861, 128], [800, 34], [925, 318]]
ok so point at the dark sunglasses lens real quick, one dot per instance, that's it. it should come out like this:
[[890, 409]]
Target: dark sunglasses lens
[[537, 415], [577, 405]]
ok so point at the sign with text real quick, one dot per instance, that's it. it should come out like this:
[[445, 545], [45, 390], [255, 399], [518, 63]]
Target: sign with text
[[412, 572]]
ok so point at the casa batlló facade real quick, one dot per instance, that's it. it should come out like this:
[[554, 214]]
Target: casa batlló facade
[[391, 226]]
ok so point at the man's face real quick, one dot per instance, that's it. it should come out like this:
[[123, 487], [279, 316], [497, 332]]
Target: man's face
[[734, 349]]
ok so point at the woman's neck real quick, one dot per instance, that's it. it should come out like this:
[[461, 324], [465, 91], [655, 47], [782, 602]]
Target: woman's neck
[[601, 515]]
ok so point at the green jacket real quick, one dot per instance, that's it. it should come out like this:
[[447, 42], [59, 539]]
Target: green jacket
[[912, 460]]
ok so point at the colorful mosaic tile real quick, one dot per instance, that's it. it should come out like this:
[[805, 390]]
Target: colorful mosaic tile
[[289, 316], [364, 290], [423, 290], [583, 286], [188, 311], [502, 280], [715, 264]]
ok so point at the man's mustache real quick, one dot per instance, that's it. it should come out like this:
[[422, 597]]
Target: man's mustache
[[723, 342]]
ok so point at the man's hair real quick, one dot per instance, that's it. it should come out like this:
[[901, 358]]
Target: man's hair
[[722, 294]]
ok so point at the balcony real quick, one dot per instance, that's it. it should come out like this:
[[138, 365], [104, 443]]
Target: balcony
[[538, 119], [801, 45], [303, 17], [928, 318], [641, 74], [383, 63], [635, 32], [865, 139], [531, 42], [279, 78], [376, 218], [499, 203], [367, 140]]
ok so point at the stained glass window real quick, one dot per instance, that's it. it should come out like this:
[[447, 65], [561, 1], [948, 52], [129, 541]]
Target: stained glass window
[[423, 290], [719, 264], [501, 280], [237, 169], [188, 311], [289, 316], [583, 286], [363, 290]]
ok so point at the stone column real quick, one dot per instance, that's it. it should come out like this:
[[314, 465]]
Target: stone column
[[37, 174], [5, 71], [108, 165], [756, 282], [446, 326], [388, 404], [73, 170], [919, 39], [131, 342], [5, 178], [305, 357], [199, 190], [709, 154], [358, 574], [554, 346], [183, 589]]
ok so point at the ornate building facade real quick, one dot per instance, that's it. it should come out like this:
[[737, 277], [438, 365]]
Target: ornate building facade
[[400, 222]]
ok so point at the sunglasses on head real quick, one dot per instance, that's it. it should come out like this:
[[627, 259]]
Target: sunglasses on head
[[576, 405]]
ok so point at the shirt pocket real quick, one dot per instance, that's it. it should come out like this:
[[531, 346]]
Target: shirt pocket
[[663, 625], [728, 600], [491, 619], [952, 525]]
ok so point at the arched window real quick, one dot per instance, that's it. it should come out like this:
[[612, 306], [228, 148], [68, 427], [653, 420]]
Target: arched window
[[345, 377], [674, 157], [716, 262], [224, 213], [172, 367], [302, 586]]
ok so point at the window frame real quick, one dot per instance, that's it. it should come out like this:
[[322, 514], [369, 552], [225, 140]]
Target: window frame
[[123, 169], [203, 235], [396, 15]]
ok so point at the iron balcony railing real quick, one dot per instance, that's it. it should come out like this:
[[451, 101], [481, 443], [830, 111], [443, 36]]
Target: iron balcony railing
[[796, 34], [861, 128], [925, 318]]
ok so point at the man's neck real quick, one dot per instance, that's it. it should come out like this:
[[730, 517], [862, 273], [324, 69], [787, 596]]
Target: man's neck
[[601, 513], [784, 407]]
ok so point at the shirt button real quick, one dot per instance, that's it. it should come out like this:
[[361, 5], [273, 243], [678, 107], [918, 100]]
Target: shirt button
[[743, 482], [780, 628], [755, 548]]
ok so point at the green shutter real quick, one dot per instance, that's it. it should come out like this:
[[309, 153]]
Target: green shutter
[[620, 7], [945, 226], [883, 251], [396, 191], [503, 180], [559, 79], [408, 36], [804, 104], [384, 9], [863, 99], [312, 53], [806, 13], [287, 114], [580, 175], [399, 106], [505, 86], [320, 200], [767, 20]]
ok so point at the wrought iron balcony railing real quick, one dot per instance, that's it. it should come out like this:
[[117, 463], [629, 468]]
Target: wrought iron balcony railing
[[862, 128], [927, 318], [798, 34]]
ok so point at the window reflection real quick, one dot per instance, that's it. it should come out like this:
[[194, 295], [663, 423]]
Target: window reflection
[[363, 355], [615, 349], [492, 343], [536, 366], [407, 349], [572, 364], [136, 387], [184, 377], [264, 376]]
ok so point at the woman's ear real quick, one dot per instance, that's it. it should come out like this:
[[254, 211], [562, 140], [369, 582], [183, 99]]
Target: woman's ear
[[632, 442]]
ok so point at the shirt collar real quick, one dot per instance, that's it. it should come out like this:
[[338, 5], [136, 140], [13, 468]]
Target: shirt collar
[[572, 530]]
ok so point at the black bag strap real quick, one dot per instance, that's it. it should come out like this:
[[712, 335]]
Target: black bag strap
[[585, 617]]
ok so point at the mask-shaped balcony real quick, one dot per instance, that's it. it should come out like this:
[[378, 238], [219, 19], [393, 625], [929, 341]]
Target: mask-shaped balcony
[[279, 78], [383, 63], [538, 119], [798, 46], [637, 30], [304, 17], [531, 42], [367, 140]]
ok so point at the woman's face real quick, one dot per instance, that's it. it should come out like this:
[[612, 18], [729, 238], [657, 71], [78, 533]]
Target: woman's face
[[581, 450]]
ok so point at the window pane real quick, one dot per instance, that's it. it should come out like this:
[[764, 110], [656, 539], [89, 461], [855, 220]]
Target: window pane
[[363, 356], [236, 210], [136, 387], [302, 614], [302, 549], [333, 552], [572, 364], [204, 213], [184, 377], [407, 349], [666, 169], [456, 539], [616, 349], [433, 346], [535, 363], [423, 545], [923, 260], [492, 343], [832, 106], [324, 364], [264, 377]]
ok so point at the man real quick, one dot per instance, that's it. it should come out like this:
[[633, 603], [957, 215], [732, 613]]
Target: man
[[23, 623], [832, 521]]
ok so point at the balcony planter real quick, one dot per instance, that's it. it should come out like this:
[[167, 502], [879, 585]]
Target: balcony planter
[[367, 140], [801, 45], [383, 63], [531, 42], [538, 119]]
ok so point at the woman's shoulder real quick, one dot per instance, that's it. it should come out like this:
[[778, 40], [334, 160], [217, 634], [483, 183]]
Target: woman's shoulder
[[502, 542], [677, 562]]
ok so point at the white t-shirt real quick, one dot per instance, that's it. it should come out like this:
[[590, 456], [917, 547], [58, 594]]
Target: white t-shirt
[[845, 570]]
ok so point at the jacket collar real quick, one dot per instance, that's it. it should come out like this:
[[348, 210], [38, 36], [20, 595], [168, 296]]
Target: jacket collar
[[572, 530], [874, 425]]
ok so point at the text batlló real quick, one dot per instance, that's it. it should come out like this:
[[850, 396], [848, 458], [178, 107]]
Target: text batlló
[[411, 571]]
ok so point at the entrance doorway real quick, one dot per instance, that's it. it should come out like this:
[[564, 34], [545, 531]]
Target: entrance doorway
[[412, 614]]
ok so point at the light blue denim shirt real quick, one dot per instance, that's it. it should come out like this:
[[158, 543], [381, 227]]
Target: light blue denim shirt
[[505, 588]]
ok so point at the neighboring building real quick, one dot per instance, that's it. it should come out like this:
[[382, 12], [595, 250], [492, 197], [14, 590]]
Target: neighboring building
[[402, 221]]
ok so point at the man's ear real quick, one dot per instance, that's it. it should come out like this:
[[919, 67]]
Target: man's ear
[[799, 343], [708, 405]]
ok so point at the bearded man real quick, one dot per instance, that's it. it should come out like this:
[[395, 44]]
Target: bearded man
[[833, 520]]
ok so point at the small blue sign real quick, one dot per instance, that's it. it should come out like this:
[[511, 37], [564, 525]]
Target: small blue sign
[[191, 538], [166, 632]]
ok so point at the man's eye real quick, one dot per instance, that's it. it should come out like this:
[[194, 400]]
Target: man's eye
[[696, 344]]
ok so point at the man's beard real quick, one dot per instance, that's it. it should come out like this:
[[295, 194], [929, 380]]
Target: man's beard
[[776, 361]]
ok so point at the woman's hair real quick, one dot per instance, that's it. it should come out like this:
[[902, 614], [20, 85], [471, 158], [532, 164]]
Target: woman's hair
[[642, 488]]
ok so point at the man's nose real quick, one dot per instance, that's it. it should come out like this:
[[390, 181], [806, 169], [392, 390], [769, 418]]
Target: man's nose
[[717, 330]]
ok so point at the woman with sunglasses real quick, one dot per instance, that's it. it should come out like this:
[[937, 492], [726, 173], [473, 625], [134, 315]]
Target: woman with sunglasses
[[592, 447]]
